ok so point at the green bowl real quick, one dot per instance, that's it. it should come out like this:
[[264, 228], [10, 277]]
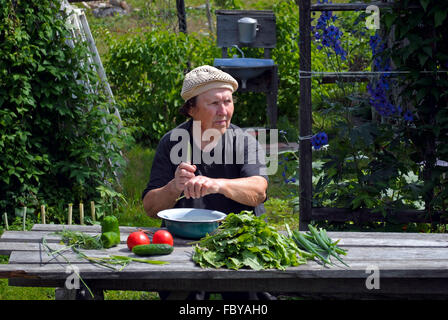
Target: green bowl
[[191, 223]]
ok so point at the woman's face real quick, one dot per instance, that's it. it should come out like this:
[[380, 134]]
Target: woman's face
[[214, 109]]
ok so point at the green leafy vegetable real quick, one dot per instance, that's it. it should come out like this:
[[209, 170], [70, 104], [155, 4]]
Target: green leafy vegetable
[[245, 240], [80, 239]]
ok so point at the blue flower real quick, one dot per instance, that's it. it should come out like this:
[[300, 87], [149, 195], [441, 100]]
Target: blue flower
[[408, 116], [319, 140], [329, 35], [379, 91], [293, 180]]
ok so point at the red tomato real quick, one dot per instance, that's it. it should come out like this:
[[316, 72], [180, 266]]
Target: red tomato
[[162, 236], [136, 238]]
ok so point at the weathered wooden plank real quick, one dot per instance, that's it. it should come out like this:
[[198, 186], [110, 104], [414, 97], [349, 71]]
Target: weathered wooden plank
[[408, 256], [179, 271], [352, 239], [355, 288], [7, 247], [388, 235], [340, 234], [365, 215], [37, 236], [86, 228], [346, 238], [392, 242], [181, 254], [96, 229]]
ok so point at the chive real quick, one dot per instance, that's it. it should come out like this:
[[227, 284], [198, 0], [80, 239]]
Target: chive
[[309, 247], [334, 249], [188, 160], [318, 238], [125, 258], [181, 197]]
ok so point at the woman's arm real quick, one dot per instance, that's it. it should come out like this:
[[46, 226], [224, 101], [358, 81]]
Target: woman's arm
[[160, 199], [250, 191], [165, 197]]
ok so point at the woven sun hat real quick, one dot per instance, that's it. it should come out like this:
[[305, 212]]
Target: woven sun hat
[[204, 78]]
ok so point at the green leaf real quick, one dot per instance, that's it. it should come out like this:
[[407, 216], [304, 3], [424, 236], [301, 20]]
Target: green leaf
[[213, 258], [422, 58], [389, 20], [428, 51], [425, 4], [250, 259], [439, 17]]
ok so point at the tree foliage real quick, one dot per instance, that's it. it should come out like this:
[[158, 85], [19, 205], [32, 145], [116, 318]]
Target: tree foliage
[[54, 142]]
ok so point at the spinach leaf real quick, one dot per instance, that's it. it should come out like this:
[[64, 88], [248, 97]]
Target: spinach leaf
[[245, 240]]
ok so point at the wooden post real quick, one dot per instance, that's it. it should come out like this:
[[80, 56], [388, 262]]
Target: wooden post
[[92, 210], [70, 211], [209, 17], [81, 213], [181, 15], [42, 213], [5, 217], [24, 218], [305, 116]]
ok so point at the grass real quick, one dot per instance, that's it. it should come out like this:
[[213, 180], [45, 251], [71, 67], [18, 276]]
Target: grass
[[134, 180]]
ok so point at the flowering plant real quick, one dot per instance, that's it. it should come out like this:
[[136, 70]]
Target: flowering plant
[[368, 159]]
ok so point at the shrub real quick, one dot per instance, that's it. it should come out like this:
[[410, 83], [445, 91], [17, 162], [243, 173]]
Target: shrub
[[146, 73], [54, 146]]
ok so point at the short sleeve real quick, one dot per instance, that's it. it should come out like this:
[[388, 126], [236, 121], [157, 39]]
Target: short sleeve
[[162, 170]]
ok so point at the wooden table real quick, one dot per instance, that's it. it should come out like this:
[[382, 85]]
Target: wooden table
[[411, 265]]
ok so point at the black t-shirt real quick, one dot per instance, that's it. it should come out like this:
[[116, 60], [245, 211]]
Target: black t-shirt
[[238, 155]]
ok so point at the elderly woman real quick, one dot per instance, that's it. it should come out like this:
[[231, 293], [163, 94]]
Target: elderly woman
[[234, 181], [225, 184]]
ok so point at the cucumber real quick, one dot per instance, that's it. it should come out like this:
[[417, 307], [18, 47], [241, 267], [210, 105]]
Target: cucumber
[[152, 249]]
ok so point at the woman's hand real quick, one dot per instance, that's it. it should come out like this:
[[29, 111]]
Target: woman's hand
[[200, 186], [184, 172]]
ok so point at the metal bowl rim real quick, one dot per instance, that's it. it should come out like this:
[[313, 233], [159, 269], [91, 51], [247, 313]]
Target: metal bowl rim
[[160, 215]]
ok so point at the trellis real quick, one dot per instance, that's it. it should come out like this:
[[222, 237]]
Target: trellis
[[80, 31], [307, 212]]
